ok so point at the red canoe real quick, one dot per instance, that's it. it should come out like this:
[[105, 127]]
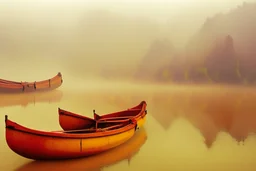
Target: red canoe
[[42, 145], [72, 121]]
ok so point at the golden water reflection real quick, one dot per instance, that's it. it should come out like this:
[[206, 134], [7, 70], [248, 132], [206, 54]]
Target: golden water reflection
[[212, 112], [24, 99], [187, 128]]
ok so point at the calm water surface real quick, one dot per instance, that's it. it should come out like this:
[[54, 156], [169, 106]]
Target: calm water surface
[[187, 128]]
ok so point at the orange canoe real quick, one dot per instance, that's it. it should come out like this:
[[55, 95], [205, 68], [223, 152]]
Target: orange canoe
[[72, 121], [124, 153], [42, 145], [18, 87]]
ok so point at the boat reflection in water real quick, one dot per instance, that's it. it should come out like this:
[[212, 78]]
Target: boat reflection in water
[[123, 152], [211, 112], [24, 99]]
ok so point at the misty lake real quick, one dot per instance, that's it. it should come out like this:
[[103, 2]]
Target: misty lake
[[187, 127]]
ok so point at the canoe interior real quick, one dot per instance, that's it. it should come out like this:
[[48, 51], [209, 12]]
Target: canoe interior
[[100, 126], [111, 129], [118, 115]]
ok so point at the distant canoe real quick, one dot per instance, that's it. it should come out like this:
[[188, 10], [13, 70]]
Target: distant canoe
[[72, 121], [42, 145], [18, 87]]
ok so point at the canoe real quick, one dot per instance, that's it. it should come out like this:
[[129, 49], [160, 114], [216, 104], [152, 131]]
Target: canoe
[[43, 145], [124, 153], [73, 121], [18, 87]]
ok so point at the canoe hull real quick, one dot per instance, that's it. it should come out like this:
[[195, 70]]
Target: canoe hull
[[121, 153], [67, 121], [51, 148], [21, 87], [141, 121], [72, 121]]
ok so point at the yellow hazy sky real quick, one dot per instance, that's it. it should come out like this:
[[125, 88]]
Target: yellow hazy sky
[[184, 17], [159, 10], [155, 8]]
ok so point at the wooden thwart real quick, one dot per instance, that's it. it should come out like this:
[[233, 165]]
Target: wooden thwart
[[91, 129]]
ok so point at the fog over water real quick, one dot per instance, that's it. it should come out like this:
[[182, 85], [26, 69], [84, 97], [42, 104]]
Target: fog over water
[[91, 37], [100, 46]]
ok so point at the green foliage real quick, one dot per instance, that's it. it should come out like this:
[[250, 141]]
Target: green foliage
[[238, 69], [202, 70], [186, 74], [166, 75]]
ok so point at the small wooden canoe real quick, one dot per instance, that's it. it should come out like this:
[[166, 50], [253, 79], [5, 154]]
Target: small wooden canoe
[[42, 145], [72, 121], [18, 87]]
